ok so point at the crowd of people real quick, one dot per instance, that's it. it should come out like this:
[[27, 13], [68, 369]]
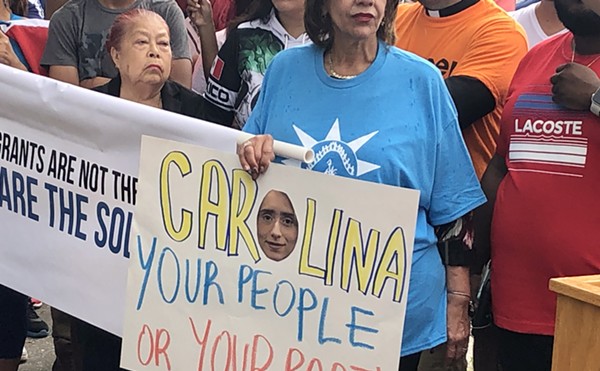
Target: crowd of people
[[492, 113]]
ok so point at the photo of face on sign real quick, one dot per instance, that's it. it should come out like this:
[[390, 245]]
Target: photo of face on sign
[[277, 225]]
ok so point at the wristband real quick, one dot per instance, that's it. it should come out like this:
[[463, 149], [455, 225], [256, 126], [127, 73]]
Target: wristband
[[455, 254], [458, 293]]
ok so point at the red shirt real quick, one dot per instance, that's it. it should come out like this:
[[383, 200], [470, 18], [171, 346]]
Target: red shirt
[[548, 206]]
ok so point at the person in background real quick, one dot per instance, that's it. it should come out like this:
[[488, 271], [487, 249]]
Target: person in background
[[539, 20], [542, 185], [413, 142], [477, 46], [236, 75], [239, 7], [13, 328], [75, 51], [201, 31]]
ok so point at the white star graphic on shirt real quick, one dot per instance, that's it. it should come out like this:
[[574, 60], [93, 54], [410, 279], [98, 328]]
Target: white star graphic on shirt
[[336, 154]]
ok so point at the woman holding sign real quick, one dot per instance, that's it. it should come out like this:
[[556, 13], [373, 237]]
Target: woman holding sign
[[340, 97]]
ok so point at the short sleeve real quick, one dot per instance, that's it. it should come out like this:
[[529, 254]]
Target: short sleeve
[[506, 120], [224, 80], [179, 38], [256, 123], [456, 189], [493, 56], [502, 141], [62, 43]]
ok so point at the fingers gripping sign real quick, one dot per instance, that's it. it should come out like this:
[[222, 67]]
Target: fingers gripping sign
[[256, 154]]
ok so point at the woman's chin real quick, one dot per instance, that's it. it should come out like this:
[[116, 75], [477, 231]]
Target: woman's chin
[[154, 79]]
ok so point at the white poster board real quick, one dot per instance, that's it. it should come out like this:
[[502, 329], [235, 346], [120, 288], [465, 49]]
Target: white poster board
[[68, 171], [211, 284]]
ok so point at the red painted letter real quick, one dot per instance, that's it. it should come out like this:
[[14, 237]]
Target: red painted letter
[[162, 349], [145, 332], [255, 345], [202, 342], [288, 360]]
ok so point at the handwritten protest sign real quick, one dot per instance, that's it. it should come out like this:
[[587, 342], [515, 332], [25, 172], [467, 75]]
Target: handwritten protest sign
[[296, 271], [68, 178]]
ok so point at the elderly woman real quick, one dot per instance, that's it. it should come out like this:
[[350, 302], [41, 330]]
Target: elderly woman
[[140, 47], [399, 127]]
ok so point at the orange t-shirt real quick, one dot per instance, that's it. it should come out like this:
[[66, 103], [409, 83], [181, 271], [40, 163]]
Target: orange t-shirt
[[482, 42]]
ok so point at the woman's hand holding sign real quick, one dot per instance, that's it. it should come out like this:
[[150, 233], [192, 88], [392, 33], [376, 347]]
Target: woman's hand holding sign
[[256, 154]]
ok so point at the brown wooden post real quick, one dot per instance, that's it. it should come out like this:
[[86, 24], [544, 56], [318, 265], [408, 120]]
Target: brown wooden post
[[577, 333]]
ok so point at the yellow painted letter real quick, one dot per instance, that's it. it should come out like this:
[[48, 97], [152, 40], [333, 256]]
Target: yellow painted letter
[[392, 265], [240, 212], [334, 235], [180, 160], [309, 224], [354, 254], [214, 186]]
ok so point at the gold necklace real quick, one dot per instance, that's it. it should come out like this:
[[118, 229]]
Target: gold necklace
[[573, 56], [332, 72]]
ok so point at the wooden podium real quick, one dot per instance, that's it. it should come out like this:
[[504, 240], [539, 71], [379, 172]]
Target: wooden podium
[[577, 333]]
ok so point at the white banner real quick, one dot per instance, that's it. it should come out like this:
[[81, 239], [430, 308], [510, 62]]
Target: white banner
[[298, 270], [68, 164]]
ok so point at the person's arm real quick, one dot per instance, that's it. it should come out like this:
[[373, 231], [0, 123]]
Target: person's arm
[[472, 99], [181, 67], [67, 74], [495, 172], [224, 81], [455, 243], [455, 193], [482, 76], [7, 54], [573, 85], [201, 15], [181, 72], [60, 53], [94, 82]]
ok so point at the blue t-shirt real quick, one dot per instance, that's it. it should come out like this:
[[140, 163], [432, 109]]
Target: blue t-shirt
[[395, 124]]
